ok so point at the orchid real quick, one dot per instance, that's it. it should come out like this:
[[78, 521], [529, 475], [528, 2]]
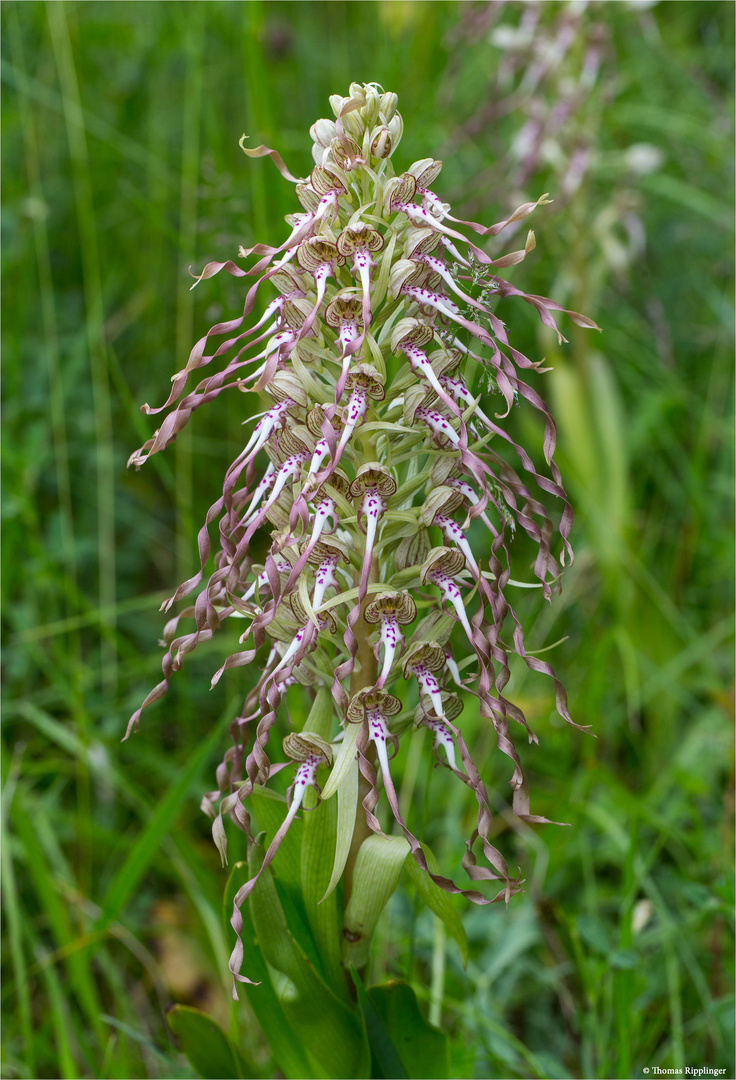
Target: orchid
[[370, 442]]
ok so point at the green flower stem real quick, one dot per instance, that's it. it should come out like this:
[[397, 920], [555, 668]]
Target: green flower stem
[[364, 675]]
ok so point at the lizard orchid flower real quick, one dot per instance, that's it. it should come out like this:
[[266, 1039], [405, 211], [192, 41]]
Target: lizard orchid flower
[[441, 568], [424, 660], [361, 243], [373, 484], [393, 610]]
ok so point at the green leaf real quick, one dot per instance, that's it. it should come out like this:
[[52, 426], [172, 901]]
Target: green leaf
[[26, 818], [380, 285], [423, 1049], [293, 1059], [438, 900], [376, 875], [345, 758], [318, 847], [690, 197], [144, 850], [319, 721], [210, 1052], [624, 959], [270, 810], [327, 1027], [386, 1059], [347, 801], [594, 933]]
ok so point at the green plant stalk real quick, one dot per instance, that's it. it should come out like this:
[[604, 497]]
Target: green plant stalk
[[364, 676]]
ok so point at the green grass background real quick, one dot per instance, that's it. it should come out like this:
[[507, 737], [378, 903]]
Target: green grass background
[[121, 171]]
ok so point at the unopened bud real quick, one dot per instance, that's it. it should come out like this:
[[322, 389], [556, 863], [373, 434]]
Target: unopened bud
[[372, 105], [336, 103], [412, 550], [354, 125], [389, 105], [396, 130], [323, 132]]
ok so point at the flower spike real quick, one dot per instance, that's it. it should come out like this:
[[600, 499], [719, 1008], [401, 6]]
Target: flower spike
[[369, 439]]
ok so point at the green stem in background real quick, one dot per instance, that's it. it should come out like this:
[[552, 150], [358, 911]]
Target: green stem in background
[[48, 309], [94, 322], [437, 988], [184, 298], [12, 908], [257, 110]]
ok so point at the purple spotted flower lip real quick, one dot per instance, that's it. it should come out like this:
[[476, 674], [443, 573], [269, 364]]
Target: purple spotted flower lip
[[369, 458]]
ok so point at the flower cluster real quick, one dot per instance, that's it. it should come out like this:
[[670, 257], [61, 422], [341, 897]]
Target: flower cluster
[[368, 484]]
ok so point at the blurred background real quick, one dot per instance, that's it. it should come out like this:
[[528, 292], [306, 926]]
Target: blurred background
[[122, 171]]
